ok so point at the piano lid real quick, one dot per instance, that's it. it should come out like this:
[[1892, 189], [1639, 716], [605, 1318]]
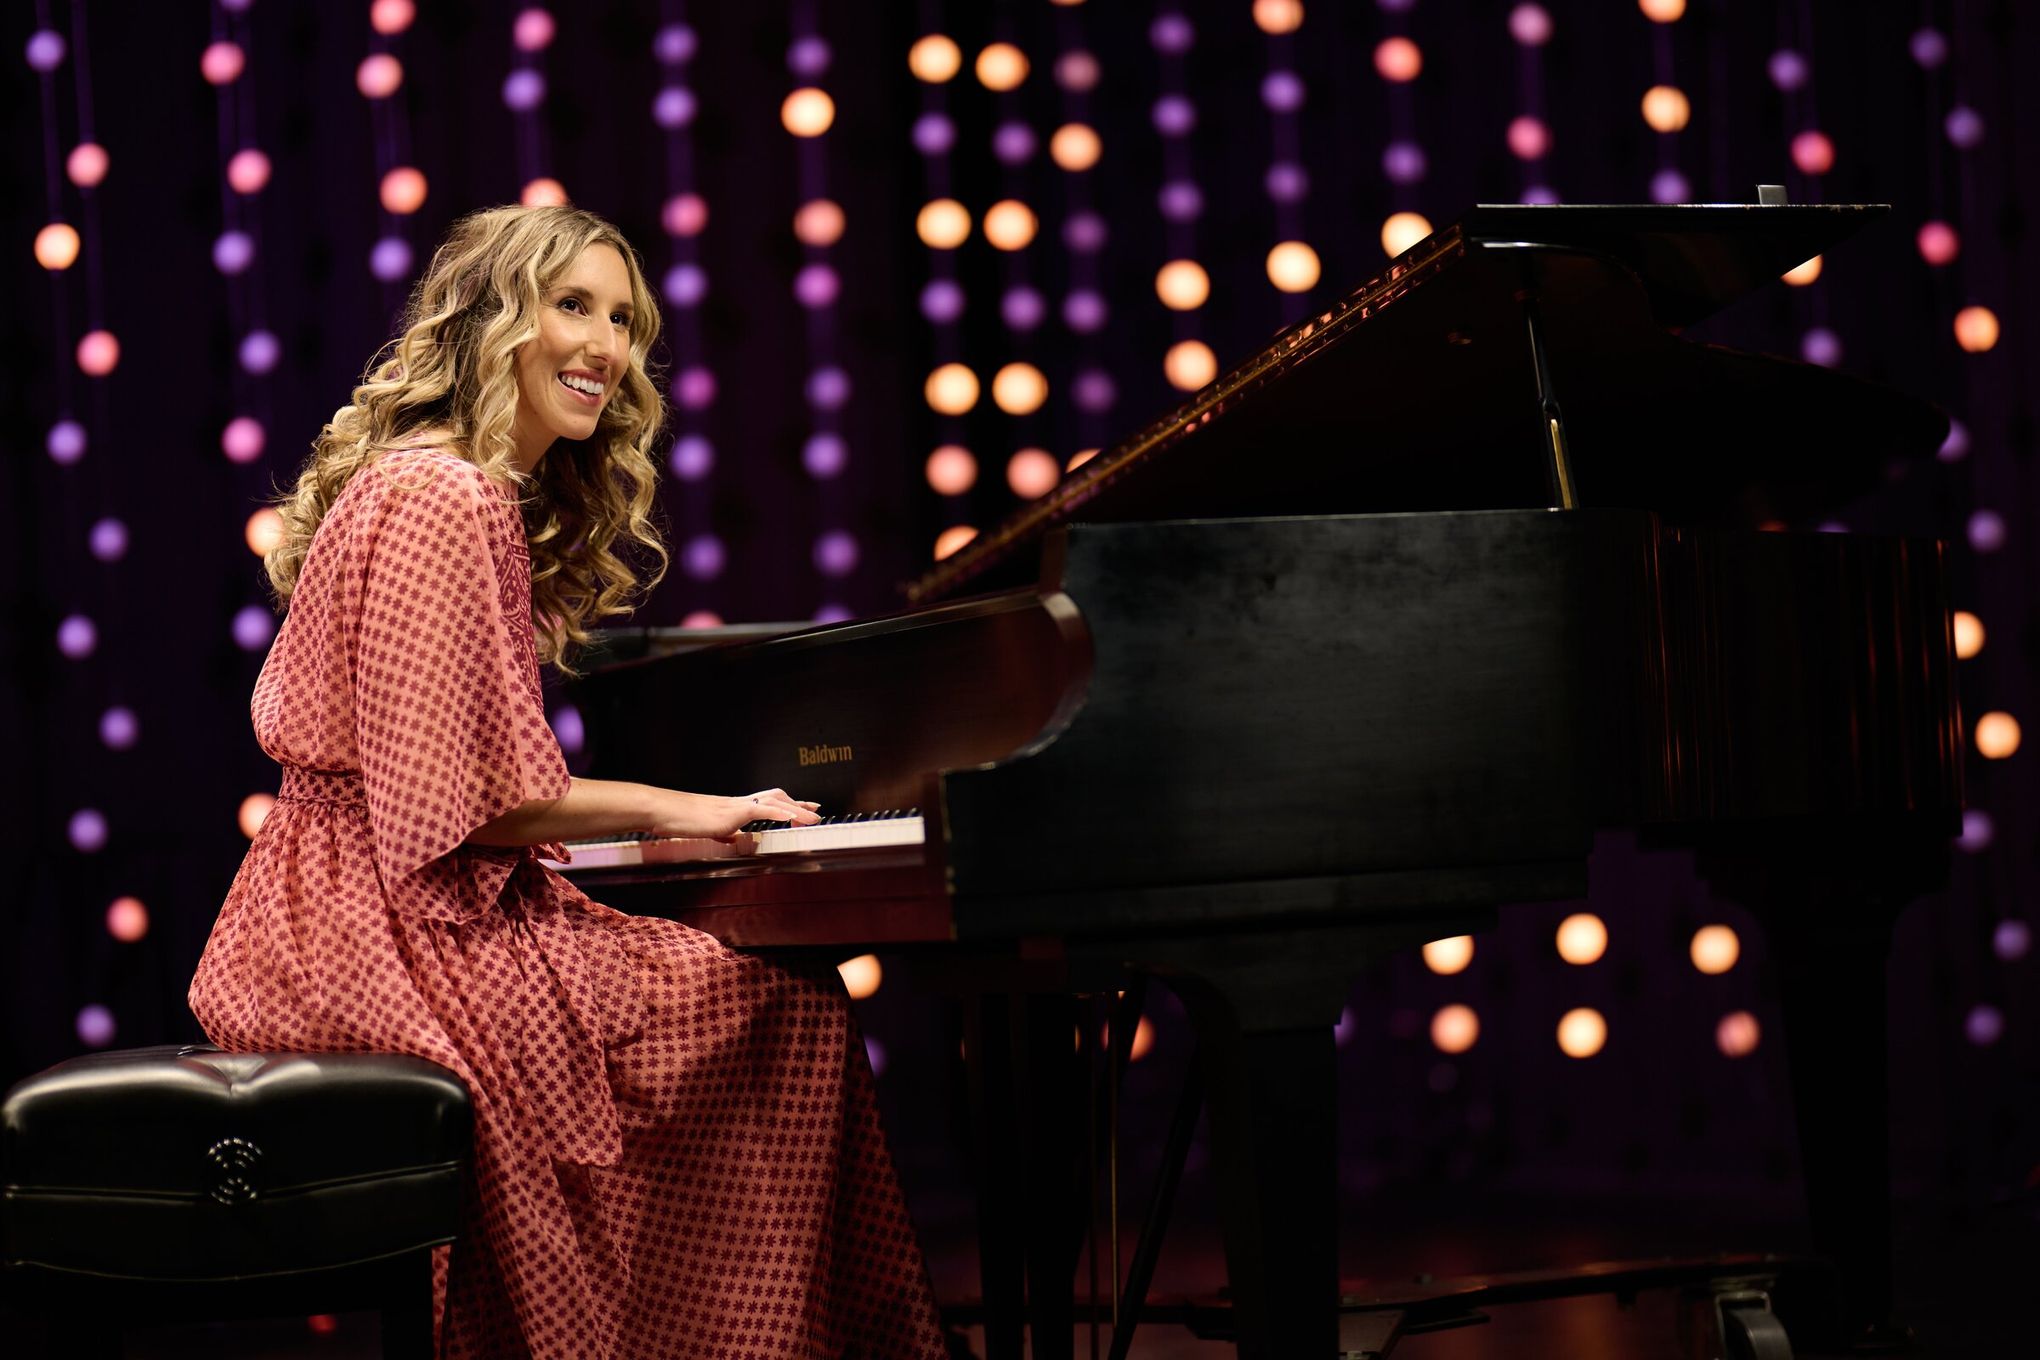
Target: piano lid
[[1416, 392]]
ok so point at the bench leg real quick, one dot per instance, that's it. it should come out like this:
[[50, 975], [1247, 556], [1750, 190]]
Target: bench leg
[[407, 1309]]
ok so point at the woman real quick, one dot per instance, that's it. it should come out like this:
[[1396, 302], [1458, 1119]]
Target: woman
[[676, 1148]]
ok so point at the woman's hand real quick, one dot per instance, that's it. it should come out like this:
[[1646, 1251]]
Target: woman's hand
[[700, 814]]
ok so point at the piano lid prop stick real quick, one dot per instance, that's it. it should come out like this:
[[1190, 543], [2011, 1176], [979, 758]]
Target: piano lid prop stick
[[1547, 399]]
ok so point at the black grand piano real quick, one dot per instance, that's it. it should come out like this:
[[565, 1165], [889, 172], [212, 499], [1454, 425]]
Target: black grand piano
[[1353, 648]]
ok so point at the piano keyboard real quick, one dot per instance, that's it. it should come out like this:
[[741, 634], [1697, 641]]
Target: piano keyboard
[[851, 831]]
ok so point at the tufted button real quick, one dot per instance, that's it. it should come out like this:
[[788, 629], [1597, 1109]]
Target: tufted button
[[231, 1170]]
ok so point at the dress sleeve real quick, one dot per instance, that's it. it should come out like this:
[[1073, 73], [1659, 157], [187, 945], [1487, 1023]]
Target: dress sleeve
[[449, 719]]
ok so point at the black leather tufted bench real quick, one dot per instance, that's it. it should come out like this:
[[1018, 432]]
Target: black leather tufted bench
[[183, 1183]]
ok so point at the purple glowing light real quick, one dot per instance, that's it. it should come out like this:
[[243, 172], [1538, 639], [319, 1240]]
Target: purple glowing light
[[1669, 186], [693, 457], [694, 388], [87, 830], [45, 49], [874, 1053], [254, 626], [1084, 232], [523, 90], [233, 252], [1172, 33], [1174, 115], [1788, 69], [1403, 162], [816, 285], [1530, 25], [2011, 940], [1985, 1025], [1077, 71], [1396, 6], [833, 613], [260, 351], [1977, 831], [942, 301], [95, 1026], [703, 557], [1013, 143], [1343, 1031], [824, 455], [1986, 531], [77, 636], [1023, 308], [1821, 346], [673, 107], [390, 259], [65, 442], [934, 134], [1955, 447], [1282, 91], [1093, 390], [1964, 126], [568, 729], [1180, 201], [109, 540], [685, 285], [675, 45], [1540, 193], [808, 57], [836, 553], [1929, 48], [1287, 182], [828, 388], [1084, 311], [119, 729]]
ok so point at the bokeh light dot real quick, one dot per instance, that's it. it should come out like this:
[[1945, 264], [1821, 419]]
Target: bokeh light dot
[[861, 976], [952, 389], [1398, 59], [543, 192], [818, 223], [1278, 16], [1787, 69], [108, 539], [694, 388], [1455, 1028], [674, 106], [222, 63], [56, 246], [127, 920], [1529, 138], [1450, 955], [253, 627], [1978, 830], [1666, 108], [1955, 444], [533, 30], [259, 351], [692, 458], [1032, 472], [1085, 232], [824, 454], [808, 57], [1174, 115], [1077, 71], [98, 353], [934, 58], [1182, 285], [684, 215], [391, 17], [1019, 389], [1079, 458], [264, 530], [87, 165], [1997, 735], [1737, 1034], [1929, 47], [1582, 938], [233, 252], [816, 285], [1976, 329], [87, 830], [942, 224], [835, 553], [403, 190], [1009, 224], [65, 442], [1984, 1025], [1094, 390], [242, 439], [1964, 126], [1282, 91], [1001, 66], [1013, 143], [1714, 949], [1986, 530], [1938, 243], [2012, 940], [390, 259], [675, 44], [1293, 267], [1189, 365], [119, 728], [253, 812], [1662, 11], [1582, 1032], [1969, 634], [953, 540], [523, 90], [1821, 346], [1288, 182], [1813, 152], [1669, 186], [45, 50], [828, 388], [379, 76], [1084, 311], [807, 112], [942, 301], [703, 556], [1530, 25], [1172, 34], [701, 618], [95, 1027], [1075, 147], [77, 636], [248, 171], [1803, 273], [1403, 230], [951, 470], [1023, 308], [934, 134]]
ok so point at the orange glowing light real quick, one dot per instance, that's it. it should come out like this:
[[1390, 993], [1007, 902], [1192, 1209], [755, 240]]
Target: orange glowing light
[[952, 540], [1019, 389], [98, 353], [1997, 735], [1715, 949], [543, 192], [818, 223], [403, 190], [1737, 1034], [1032, 472], [255, 809], [1801, 275], [1293, 267], [1182, 285], [1976, 329], [807, 112], [1582, 1032], [1278, 16], [951, 470], [1969, 634], [934, 58], [1666, 108], [1189, 365], [56, 246], [1079, 458], [1001, 67], [1075, 147], [127, 920], [1455, 1028], [1009, 224], [702, 618], [1398, 59], [942, 224], [861, 976], [1403, 230], [265, 530], [1662, 11], [1582, 938], [952, 389], [1449, 955]]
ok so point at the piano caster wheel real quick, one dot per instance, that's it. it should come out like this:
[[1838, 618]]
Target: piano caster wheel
[[1730, 1320]]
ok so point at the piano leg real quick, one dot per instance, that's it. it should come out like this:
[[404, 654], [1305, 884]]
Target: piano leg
[[989, 1052]]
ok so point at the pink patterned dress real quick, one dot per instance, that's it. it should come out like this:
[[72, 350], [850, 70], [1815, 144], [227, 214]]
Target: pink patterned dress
[[677, 1151]]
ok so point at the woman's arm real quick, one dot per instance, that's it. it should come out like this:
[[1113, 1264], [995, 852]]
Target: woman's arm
[[594, 808]]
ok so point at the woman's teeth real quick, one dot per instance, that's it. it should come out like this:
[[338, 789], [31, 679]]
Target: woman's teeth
[[590, 392]]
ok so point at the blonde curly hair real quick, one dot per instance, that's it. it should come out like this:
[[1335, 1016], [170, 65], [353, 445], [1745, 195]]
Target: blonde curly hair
[[452, 367]]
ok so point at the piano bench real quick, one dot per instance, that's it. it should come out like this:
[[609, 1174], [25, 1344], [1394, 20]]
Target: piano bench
[[183, 1184]]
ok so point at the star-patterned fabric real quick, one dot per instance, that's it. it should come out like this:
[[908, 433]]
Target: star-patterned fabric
[[677, 1149]]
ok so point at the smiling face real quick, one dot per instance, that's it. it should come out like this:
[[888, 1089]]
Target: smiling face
[[570, 370]]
